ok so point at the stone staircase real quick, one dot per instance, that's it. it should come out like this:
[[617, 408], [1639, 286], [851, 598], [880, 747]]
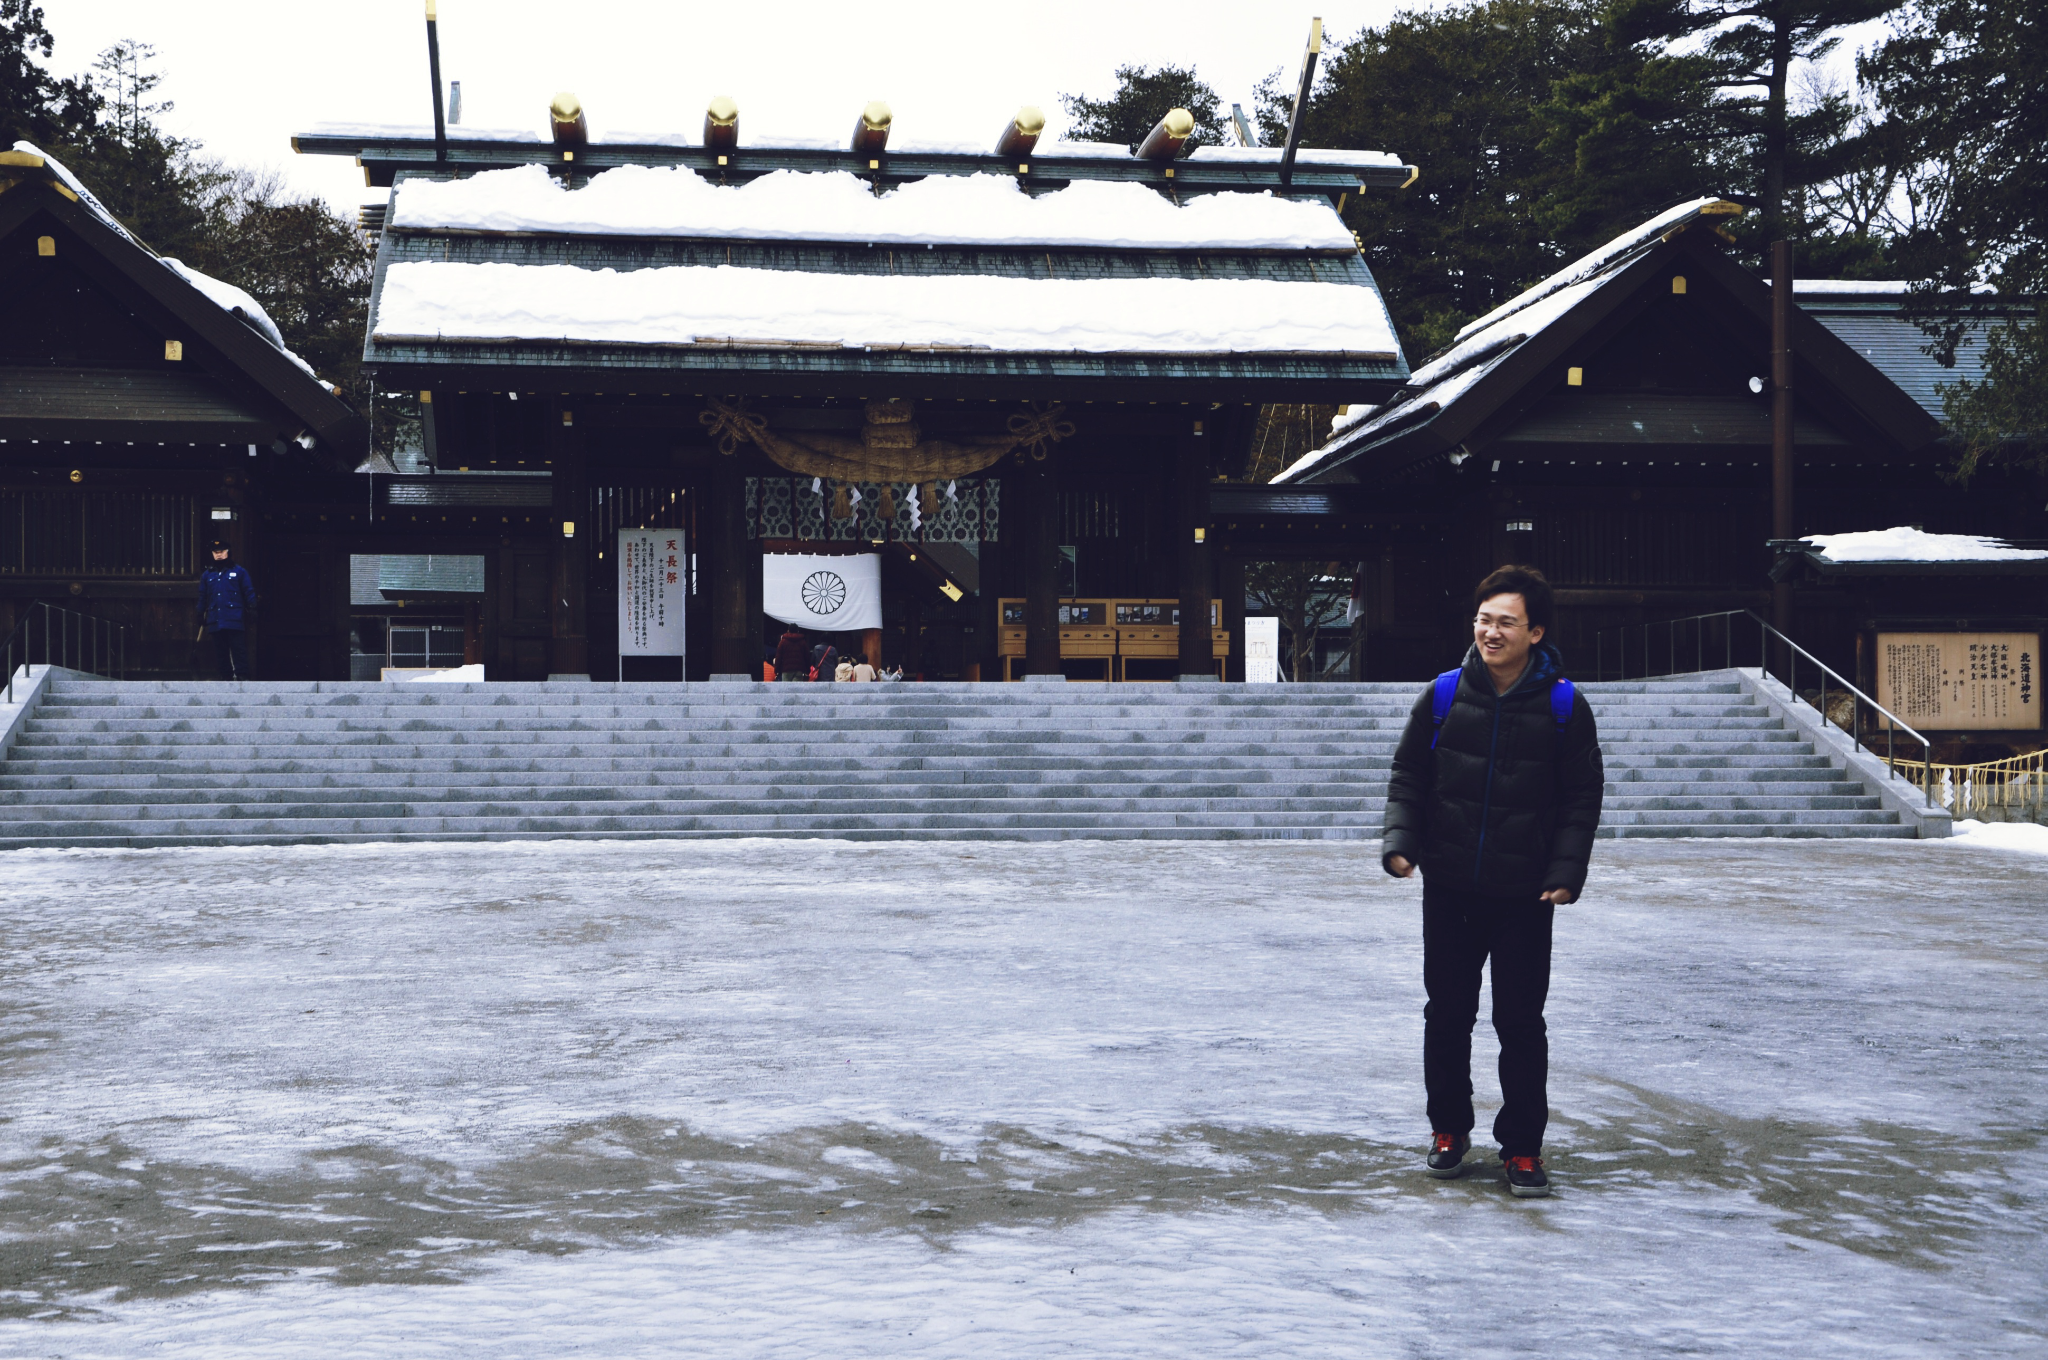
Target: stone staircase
[[102, 763]]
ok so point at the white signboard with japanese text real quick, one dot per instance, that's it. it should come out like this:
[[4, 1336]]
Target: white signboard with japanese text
[[1961, 681], [828, 594], [1261, 650], [654, 578]]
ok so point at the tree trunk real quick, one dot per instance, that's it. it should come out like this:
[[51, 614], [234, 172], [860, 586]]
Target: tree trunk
[[1777, 139]]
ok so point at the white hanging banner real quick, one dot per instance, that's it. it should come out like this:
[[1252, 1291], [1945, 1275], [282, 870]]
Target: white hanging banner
[[830, 594], [1262, 650], [653, 580]]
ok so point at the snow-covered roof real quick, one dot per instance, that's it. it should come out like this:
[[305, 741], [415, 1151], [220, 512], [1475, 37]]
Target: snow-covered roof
[[727, 305], [78, 190], [1305, 155], [410, 131], [223, 295], [1904, 544], [1482, 346], [1593, 266], [755, 137], [990, 210], [235, 301], [1872, 288]]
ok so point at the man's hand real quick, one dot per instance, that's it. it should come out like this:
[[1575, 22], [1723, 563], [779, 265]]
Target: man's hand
[[1400, 866], [1559, 897]]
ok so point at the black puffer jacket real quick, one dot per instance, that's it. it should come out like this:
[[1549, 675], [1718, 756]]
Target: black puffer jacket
[[1506, 804]]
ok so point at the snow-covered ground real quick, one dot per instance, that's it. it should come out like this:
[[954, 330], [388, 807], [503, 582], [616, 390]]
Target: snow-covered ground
[[810, 1098]]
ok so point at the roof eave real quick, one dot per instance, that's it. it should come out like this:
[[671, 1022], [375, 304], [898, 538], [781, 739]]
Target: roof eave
[[340, 429]]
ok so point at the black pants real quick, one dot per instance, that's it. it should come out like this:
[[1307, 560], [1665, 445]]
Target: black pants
[[1460, 932], [232, 645]]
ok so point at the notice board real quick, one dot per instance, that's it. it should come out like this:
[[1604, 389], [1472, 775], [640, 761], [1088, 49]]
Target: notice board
[[1261, 650], [653, 581], [1958, 681]]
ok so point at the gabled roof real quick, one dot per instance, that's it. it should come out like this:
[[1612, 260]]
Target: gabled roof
[[1871, 318], [236, 376], [1503, 362], [817, 277]]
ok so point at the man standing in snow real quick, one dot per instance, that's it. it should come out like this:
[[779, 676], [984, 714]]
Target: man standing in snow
[[1495, 796], [227, 597]]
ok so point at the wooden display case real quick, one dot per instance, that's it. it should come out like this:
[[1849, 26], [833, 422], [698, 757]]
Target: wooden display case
[[1113, 632]]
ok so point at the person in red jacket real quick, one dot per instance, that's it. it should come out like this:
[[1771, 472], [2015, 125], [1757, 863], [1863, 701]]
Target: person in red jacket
[[792, 656]]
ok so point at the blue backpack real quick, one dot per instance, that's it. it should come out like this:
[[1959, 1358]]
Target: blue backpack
[[1446, 689]]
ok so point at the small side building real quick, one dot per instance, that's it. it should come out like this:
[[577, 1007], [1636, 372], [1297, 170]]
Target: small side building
[[1612, 425], [145, 410]]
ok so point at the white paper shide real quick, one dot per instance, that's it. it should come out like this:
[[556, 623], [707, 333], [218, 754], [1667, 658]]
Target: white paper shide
[[653, 580], [828, 593]]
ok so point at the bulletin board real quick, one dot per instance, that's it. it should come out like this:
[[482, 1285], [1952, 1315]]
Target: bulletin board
[[1961, 681]]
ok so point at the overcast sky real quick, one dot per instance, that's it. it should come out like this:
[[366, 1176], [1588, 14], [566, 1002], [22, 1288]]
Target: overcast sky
[[246, 75]]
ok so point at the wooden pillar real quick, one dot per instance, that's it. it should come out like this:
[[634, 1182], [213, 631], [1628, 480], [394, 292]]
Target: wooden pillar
[[1039, 539], [1784, 519], [735, 650], [1230, 590], [569, 646], [1191, 529]]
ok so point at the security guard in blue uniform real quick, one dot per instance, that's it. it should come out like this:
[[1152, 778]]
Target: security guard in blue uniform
[[227, 599]]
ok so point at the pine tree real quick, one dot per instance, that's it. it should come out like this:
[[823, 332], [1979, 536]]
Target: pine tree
[[1744, 52], [1456, 92], [1142, 97], [1962, 90], [36, 106]]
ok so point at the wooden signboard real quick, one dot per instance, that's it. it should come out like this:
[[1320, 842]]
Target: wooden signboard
[[1961, 681]]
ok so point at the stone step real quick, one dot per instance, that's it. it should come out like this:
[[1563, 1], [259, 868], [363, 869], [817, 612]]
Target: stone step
[[102, 763], [20, 788], [693, 803], [142, 841], [930, 691], [735, 823], [384, 822], [128, 721], [472, 801]]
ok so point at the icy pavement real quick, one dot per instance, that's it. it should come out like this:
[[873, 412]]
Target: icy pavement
[[820, 1099]]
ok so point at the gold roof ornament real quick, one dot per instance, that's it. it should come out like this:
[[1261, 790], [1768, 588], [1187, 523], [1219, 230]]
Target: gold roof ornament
[[1167, 136], [1020, 135], [871, 132], [891, 446], [566, 120], [721, 124]]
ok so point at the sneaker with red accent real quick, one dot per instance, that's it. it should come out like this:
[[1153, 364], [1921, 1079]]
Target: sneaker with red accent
[[1447, 1154], [1525, 1177]]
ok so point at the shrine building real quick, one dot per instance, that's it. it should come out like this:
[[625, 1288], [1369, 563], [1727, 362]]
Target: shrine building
[[1009, 372]]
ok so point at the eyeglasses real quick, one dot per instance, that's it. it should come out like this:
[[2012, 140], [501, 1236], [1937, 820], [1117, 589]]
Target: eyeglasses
[[1505, 625]]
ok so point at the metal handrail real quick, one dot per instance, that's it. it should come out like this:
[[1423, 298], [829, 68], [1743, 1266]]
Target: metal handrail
[[81, 642], [1765, 632]]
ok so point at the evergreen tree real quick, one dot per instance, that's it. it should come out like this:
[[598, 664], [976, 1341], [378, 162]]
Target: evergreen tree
[[1718, 75], [157, 184], [1962, 87], [1457, 92], [34, 105], [1142, 97], [308, 267]]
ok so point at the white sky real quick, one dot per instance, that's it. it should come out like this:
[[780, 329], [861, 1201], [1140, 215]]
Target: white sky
[[246, 75]]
